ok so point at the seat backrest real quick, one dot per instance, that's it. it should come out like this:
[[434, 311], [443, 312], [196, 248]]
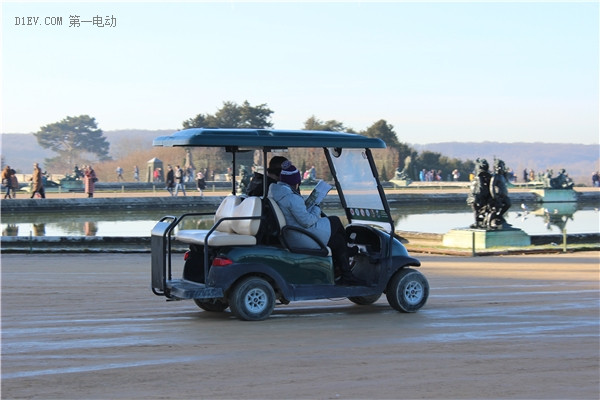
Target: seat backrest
[[250, 207], [322, 250], [277, 211], [226, 209]]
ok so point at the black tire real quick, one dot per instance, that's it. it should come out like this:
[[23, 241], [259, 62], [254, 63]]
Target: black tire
[[407, 291], [213, 305], [365, 300], [252, 299]]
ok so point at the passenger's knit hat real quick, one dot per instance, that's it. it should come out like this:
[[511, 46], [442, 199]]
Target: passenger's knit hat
[[289, 174]]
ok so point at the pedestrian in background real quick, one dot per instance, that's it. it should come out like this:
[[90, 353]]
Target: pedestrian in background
[[120, 174], [38, 183], [136, 174], [596, 179], [14, 183], [6, 181], [90, 179], [200, 182], [179, 180], [455, 175], [170, 180]]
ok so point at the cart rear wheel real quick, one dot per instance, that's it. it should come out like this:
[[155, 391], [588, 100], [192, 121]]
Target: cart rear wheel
[[365, 300], [253, 299], [214, 305], [408, 290]]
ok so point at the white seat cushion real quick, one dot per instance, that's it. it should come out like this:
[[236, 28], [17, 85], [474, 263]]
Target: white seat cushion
[[251, 207], [197, 236], [233, 232], [226, 209]]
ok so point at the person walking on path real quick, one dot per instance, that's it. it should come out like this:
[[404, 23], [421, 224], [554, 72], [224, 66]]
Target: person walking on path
[[14, 183], [6, 181], [90, 179], [455, 175], [596, 179], [170, 180], [38, 183], [136, 174], [179, 181], [200, 182], [119, 174]]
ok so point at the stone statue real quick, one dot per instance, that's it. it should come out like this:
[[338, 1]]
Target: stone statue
[[403, 174], [499, 192], [562, 181], [244, 179], [479, 197], [189, 163], [77, 173], [489, 196]]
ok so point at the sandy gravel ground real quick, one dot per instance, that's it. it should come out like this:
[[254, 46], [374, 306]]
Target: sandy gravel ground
[[87, 327]]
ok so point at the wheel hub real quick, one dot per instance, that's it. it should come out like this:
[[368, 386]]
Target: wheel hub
[[256, 300], [413, 292]]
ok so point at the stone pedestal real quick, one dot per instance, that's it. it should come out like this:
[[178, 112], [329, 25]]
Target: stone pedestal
[[481, 239], [400, 182], [555, 195]]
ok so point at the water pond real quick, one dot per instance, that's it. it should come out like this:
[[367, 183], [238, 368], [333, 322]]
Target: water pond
[[551, 218]]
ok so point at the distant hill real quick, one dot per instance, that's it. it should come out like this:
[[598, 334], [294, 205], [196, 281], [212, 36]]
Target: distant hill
[[579, 160], [21, 150]]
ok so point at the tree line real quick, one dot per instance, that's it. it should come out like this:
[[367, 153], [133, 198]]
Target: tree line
[[78, 140]]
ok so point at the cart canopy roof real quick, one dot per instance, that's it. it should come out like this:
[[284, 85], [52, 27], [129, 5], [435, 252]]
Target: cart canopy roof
[[269, 138]]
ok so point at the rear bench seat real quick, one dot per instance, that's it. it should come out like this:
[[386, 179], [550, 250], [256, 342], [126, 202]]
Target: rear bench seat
[[230, 232]]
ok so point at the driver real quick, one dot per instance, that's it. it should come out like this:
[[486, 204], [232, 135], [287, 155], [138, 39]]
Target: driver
[[328, 229], [255, 188]]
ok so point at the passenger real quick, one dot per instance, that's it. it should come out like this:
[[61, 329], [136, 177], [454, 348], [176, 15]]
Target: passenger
[[328, 229], [255, 188]]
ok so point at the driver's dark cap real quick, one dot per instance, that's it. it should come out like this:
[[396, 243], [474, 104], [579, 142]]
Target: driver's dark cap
[[275, 165]]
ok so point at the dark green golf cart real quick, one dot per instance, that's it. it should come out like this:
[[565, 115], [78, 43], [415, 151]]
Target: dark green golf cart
[[244, 262]]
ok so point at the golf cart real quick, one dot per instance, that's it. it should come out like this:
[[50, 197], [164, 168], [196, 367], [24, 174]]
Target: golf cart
[[245, 261]]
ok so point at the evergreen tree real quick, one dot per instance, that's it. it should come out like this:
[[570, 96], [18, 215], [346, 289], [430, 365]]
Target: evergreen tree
[[384, 131], [232, 115], [75, 139], [314, 124]]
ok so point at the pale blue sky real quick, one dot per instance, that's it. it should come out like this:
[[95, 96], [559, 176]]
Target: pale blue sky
[[436, 71]]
